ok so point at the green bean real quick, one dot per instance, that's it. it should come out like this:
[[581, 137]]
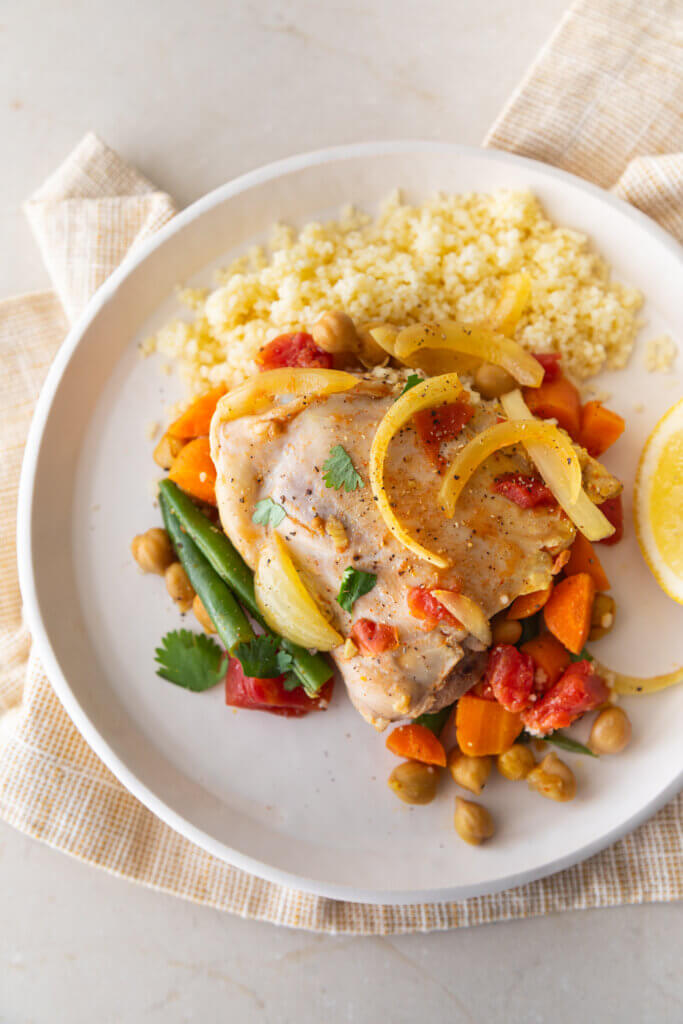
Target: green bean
[[214, 545], [312, 670], [230, 621]]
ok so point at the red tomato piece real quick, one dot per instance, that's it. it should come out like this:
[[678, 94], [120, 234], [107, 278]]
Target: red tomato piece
[[297, 349], [578, 689], [423, 605], [436, 426], [525, 491], [510, 674], [550, 361], [613, 510], [270, 695], [374, 637]]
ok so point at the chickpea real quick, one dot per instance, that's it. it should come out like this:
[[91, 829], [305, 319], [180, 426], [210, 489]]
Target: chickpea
[[370, 352], [153, 551], [602, 617], [469, 772], [492, 381], [473, 823], [202, 615], [414, 782], [611, 732], [516, 763], [553, 779], [167, 450], [506, 631], [335, 332], [179, 586]]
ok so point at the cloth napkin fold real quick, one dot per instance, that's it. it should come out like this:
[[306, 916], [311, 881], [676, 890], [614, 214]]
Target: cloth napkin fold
[[603, 100]]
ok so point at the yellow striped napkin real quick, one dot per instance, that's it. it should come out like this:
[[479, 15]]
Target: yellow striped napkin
[[604, 100]]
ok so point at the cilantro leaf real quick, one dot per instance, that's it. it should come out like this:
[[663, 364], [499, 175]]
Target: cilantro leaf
[[354, 584], [413, 380], [191, 660], [285, 662], [582, 656], [566, 743], [259, 657], [290, 682], [435, 720], [268, 513], [339, 471]]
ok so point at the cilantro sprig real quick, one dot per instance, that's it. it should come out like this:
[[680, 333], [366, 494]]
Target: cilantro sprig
[[191, 660], [567, 743], [354, 584], [260, 658], [268, 513], [339, 470], [413, 380]]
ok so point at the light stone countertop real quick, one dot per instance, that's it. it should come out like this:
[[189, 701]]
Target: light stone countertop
[[195, 94]]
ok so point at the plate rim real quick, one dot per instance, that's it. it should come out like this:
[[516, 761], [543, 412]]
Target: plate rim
[[27, 581]]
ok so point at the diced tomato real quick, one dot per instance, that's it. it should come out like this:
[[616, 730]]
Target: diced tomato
[[270, 695], [297, 349], [373, 637], [436, 426], [578, 689], [484, 690], [510, 674], [423, 605], [525, 491], [550, 361], [613, 510]]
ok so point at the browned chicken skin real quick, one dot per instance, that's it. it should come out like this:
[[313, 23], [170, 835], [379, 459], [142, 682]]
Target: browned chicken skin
[[497, 550]]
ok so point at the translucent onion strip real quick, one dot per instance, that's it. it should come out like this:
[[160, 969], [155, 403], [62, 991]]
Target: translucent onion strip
[[628, 686], [560, 453], [430, 393], [585, 515], [468, 612], [261, 390], [286, 604], [471, 340], [514, 297]]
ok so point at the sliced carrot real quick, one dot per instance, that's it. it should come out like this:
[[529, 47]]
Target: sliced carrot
[[418, 743], [557, 399], [568, 612], [600, 428], [548, 654], [582, 558], [528, 604], [194, 472], [485, 726], [196, 420]]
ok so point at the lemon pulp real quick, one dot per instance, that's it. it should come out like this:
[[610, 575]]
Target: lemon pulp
[[666, 503]]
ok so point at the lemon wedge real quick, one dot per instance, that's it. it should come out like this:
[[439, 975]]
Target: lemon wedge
[[658, 502]]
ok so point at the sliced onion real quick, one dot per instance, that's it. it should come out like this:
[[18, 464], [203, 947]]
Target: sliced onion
[[385, 336], [261, 390], [468, 612], [426, 395], [512, 301], [559, 451], [471, 340], [585, 515], [628, 686], [286, 604]]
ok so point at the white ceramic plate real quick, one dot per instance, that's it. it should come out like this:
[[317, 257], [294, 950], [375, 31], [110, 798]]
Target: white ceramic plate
[[305, 802]]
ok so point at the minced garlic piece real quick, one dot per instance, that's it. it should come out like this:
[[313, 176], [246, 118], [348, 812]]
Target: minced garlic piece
[[350, 649], [335, 530]]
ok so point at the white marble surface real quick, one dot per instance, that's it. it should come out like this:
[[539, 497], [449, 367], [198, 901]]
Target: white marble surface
[[195, 94]]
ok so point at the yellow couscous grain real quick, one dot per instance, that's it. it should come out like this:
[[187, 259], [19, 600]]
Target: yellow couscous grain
[[442, 259]]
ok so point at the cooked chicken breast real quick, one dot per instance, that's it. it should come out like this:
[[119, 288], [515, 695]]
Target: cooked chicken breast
[[497, 550]]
